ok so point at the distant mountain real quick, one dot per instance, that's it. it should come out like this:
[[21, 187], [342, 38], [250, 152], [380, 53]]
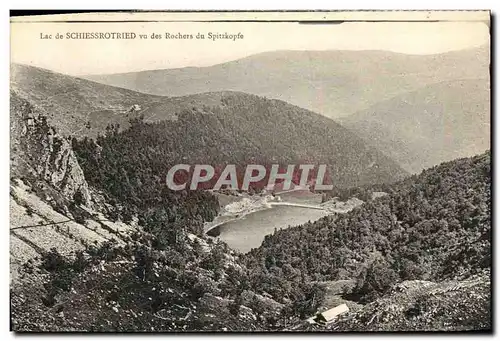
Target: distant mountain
[[332, 83], [437, 123]]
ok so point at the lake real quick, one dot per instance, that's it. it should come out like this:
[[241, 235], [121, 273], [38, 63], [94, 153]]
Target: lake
[[248, 232]]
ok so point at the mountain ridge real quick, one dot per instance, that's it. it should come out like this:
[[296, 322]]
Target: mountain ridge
[[326, 82], [285, 51]]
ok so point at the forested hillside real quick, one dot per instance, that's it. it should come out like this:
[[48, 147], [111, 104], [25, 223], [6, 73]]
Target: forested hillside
[[127, 151], [433, 226], [79, 270], [419, 110], [131, 165]]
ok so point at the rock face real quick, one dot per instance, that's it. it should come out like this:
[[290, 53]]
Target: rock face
[[46, 179], [60, 167], [39, 152]]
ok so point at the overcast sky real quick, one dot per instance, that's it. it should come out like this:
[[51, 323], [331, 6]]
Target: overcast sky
[[78, 57]]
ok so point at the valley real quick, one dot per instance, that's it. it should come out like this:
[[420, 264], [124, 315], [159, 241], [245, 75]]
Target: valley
[[100, 242]]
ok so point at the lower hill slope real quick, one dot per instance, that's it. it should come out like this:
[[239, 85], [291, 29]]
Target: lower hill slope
[[421, 306]]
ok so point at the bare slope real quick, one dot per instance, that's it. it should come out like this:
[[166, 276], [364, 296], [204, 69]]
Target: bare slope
[[80, 107]]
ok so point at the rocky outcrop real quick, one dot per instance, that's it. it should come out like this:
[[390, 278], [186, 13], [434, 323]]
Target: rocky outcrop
[[60, 168], [38, 150]]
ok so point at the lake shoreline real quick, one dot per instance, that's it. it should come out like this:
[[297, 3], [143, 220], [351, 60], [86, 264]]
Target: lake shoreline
[[245, 220]]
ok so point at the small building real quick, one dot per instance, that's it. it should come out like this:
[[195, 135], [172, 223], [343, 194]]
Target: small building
[[329, 315]]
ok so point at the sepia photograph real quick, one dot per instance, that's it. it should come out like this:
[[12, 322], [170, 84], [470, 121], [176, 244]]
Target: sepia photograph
[[280, 171]]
